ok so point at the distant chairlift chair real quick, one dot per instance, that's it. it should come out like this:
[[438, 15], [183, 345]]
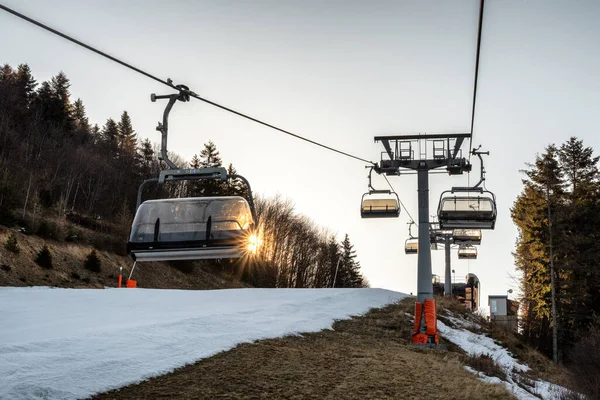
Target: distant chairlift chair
[[466, 236], [467, 253]]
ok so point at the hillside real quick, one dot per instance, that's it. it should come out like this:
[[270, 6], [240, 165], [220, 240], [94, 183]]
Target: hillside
[[68, 259], [367, 357]]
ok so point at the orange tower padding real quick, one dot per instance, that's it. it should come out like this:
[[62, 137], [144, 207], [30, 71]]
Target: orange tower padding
[[418, 313], [431, 335], [131, 283], [430, 316]]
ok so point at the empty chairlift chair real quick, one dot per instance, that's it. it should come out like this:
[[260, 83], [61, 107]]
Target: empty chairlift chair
[[466, 236], [467, 253], [411, 246], [468, 211], [191, 229], [380, 204]]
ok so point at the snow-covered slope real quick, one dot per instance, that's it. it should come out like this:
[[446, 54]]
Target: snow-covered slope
[[66, 343]]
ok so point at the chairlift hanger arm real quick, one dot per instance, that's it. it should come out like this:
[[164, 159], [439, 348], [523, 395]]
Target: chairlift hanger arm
[[183, 95]]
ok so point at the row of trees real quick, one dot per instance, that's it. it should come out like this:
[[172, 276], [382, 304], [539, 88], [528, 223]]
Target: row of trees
[[54, 161], [566, 179], [296, 253]]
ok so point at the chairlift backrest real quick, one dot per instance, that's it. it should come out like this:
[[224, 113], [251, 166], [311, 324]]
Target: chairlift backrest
[[467, 212], [386, 207], [186, 219]]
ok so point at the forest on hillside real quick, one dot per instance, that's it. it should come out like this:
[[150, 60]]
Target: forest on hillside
[[54, 162], [561, 196]]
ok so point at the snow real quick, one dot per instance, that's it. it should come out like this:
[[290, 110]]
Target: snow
[[476, 344], [71, 343]]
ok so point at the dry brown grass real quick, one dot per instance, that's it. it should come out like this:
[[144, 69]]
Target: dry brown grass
[[362, 358], [68, 263]]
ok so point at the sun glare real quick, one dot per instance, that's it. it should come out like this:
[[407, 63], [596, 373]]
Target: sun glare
[[253, 243]]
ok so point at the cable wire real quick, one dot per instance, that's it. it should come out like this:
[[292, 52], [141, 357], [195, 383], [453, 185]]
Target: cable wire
[[481, 4], [402, 204], [167, 83]]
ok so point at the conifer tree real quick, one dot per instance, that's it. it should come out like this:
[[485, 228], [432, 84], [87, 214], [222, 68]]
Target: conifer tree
[[110, 136], [79, 116], [127, 138]]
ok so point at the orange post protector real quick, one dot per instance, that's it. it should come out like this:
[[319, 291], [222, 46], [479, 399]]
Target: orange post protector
[[131, 283], [120, 280]]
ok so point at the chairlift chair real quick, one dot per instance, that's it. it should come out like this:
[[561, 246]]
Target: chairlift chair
[[466, 236], [467, 253], [191, 229], [411, 246], [467, 211], [379, 203]]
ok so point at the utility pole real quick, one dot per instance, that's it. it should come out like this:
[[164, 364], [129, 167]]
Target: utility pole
[[448, 276], [336, 270]]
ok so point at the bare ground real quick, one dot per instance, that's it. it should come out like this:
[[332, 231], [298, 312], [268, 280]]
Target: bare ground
[[367, 357]]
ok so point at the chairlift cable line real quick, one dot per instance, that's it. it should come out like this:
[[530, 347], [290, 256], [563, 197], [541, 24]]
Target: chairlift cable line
[[402, 204], [192, 94], [476, 72]]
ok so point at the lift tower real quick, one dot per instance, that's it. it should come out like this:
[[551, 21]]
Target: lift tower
[[424, 154]]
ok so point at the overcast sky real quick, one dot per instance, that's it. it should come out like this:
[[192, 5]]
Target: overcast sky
[[339, 72]]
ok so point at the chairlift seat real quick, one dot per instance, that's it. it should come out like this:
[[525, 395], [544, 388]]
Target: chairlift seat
[[411, 246], [467, 252], [467, 212], [176, 229], [379, 208], [466, 236]]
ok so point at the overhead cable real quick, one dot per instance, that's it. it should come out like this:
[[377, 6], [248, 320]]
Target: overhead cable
[[171, 85]]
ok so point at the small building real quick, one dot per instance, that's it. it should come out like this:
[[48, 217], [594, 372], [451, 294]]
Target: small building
[[503, 312]]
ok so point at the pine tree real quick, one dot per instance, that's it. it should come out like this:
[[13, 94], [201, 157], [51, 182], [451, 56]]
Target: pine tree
[[79, 116], [209, 158], [349, 271], [26, 84], [127, 138], [44, 258], [62, 109], [93, 263], [12, 244], [110, 136], [566, 179]]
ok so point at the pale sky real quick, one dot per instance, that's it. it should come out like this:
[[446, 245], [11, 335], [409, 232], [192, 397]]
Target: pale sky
[[338, 72]]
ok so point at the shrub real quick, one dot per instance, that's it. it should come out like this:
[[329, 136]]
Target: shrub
[[44, 258], [12, 244], [71, 234], [93, 263], [485, 363], [47, 230], [75, 275]]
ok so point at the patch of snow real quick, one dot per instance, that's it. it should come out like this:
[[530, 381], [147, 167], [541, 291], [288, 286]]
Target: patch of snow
[[476, 344], [510, 385], [463, 323], [71, 343]]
